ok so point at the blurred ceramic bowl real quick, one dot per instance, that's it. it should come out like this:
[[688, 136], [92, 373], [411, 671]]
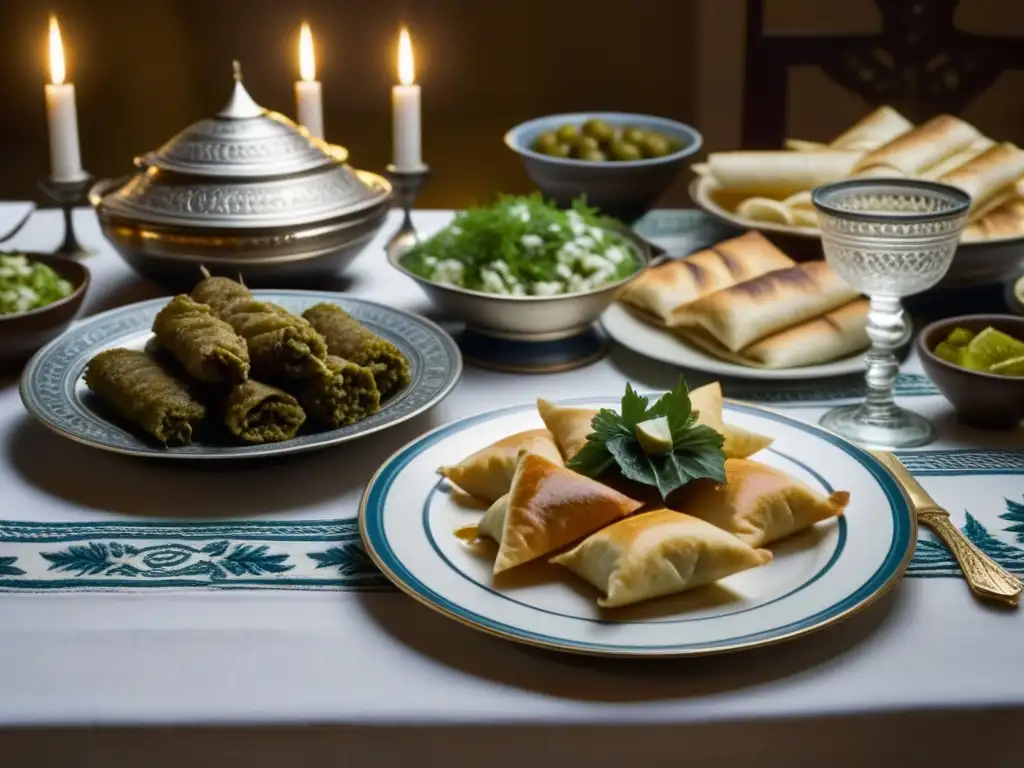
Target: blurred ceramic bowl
[[982, 400], [981, 262], [527, 318], [623, 189], [22, 333]]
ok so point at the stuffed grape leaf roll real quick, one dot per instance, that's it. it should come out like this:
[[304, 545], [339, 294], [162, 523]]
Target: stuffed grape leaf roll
[[343, 394], [347, 339], [144, 392], [255, 412], [204, 345], [281, 345]]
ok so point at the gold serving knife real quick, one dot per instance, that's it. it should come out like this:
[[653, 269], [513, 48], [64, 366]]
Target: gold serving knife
[[985, 577]]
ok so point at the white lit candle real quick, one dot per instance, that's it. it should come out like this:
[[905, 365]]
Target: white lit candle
[[405, 100], [308, 99], [61, 115]]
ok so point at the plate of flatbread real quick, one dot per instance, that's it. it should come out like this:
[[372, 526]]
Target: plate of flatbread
[[770, 190], [743, 308], [483, 521]]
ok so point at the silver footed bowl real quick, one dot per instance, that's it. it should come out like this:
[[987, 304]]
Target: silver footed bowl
[[527, 318], [302, 255], [887, 238]]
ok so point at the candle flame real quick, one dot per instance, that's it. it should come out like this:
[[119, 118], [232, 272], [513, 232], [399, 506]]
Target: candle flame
[[307, 58], [57, 72], [406, 67]]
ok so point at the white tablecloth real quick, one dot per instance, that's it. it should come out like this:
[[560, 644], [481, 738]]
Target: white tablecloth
[[386, 678]]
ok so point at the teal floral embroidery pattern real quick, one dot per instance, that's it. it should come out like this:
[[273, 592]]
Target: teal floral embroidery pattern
[[932, 559], [351, 560], [1015, 514], [167, 560], [249, 554], [7, 567]]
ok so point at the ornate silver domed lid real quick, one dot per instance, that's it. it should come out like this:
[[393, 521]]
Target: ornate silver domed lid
[[245, 168], [243, 140]]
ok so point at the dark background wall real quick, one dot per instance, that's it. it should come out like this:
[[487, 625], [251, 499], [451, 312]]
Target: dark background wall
[[144, 69]]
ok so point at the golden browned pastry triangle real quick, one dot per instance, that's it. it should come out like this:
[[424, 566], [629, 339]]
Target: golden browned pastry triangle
[[487, 474], [658, 553], [757, 503], [739, 442], [547, 508], [570, 426]]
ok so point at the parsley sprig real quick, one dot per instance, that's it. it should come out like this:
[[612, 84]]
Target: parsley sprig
[[696, 449]]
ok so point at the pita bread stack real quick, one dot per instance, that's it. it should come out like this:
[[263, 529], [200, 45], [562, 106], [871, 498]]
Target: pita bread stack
[[746, 302], [775, 186]]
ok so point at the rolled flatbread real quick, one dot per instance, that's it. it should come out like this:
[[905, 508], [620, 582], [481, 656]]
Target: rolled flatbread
[[1004, 221], [661, 289], [778, 174], [869, 133], [738, 316], [988, 174], [801, 209], [960, 158], [917, 150], [872, 131], [765, 209], [832, 336], [799, 145]]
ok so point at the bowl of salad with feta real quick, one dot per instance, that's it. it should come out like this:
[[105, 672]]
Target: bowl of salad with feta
[[523, 268], [40, 294]]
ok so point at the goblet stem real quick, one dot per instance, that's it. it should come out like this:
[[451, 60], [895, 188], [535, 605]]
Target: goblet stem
[[886, 329]]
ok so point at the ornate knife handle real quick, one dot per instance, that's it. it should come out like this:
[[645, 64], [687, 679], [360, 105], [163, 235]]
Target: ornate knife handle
[[984, 576]]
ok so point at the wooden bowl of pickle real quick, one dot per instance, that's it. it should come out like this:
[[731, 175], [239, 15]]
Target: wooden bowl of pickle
[[621, 162]]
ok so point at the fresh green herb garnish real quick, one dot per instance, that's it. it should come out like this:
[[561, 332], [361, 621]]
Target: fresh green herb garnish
[[525, 246], [27, 285], [696, 449]]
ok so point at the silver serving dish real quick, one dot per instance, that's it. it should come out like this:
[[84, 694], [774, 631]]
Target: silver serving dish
[[165, 198], [527, 318], [246, 192]]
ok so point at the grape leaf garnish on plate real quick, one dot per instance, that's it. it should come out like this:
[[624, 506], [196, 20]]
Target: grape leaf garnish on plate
[[696, 449]]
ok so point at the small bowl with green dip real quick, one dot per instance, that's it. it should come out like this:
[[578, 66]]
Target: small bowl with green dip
[[40, 295]]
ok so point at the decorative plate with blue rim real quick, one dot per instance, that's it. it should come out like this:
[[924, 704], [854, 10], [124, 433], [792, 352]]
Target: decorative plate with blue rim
[[53, 390], [408, 517]]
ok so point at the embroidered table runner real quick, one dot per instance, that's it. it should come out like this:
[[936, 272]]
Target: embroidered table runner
[[72, 518], [138, 592]]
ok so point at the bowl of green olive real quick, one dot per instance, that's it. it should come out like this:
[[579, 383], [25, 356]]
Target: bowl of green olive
[[621, 162]]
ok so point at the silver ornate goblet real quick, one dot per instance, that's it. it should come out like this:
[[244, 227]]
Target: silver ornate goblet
[[888, 238]]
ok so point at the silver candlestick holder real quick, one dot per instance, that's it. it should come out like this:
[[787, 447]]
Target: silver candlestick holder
[[407, 186], [67, 195]]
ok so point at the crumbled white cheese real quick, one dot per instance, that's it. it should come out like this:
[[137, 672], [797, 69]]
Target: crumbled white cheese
[[563, 271], [430, 261], [492, 282], [569, 253], [548, 288], [531, 241], [616, 255], [554, 228], [448, 271], [593, 263], [576, 223], [521, 212], [597, 233], [518, 290], [585, 241], [501, 268]]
